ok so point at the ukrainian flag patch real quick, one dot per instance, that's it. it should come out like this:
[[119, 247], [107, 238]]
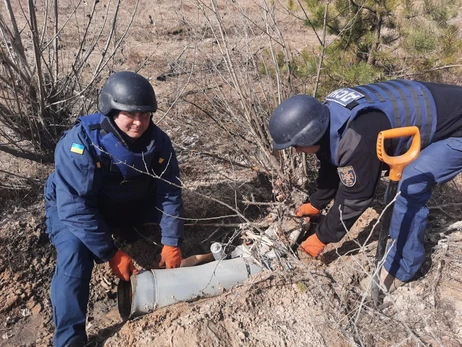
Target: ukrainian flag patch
[[77, 148]]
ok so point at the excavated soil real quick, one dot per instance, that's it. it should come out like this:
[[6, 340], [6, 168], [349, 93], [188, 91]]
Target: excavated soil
[[310, 302]]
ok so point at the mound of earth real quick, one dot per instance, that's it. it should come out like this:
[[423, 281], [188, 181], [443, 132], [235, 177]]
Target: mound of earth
[[302, 302]]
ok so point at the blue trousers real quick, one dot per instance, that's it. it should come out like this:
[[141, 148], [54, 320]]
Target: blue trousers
[[438, 163], [70, 286]]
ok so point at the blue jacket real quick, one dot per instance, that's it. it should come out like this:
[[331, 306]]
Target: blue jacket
[[349, 168], [100, 182]]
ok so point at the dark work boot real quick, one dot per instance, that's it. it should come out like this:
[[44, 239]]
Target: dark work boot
[[76, 341]]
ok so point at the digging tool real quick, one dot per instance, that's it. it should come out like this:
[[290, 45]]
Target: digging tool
[[397, 165]]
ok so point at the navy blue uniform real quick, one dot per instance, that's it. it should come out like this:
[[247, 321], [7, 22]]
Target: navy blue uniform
[[102, 181], [350, 170]]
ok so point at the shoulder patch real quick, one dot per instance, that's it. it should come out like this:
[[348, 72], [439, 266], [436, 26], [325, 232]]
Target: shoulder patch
[[347, 175], [77, 148], [161, 160], [344, 96]]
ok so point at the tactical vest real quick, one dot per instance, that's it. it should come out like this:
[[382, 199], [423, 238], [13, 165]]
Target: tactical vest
[[125, 185], [404, 102], [102, 134]]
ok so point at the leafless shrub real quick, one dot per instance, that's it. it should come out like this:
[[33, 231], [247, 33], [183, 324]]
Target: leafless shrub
[[51, 67], [230, 72]]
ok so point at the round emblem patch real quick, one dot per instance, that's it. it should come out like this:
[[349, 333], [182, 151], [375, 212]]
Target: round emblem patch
[[347, 175]]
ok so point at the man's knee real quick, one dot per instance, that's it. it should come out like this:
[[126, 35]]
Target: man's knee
[[74, 258], [416, 184]]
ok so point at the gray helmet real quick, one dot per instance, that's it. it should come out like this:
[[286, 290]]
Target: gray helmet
[[127, 91], [300, 120]]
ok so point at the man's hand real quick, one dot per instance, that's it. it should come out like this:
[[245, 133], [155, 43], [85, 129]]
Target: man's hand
[[307, 210], [170, 257], [122, 265], [312, 246]]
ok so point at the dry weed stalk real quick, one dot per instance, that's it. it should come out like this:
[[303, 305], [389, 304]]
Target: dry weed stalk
[[44, 91], [151, 173], [227, 85]]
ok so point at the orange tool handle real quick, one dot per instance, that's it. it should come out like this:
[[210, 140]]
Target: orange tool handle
[[398, 163]]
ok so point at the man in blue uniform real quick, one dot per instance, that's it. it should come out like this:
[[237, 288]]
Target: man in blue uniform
[[113, 170], [342, 132]]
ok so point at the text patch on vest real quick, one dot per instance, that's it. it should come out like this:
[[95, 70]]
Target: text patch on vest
[[344, 96], [347, 175]]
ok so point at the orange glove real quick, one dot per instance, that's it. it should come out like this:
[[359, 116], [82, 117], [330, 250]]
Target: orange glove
[[170, 257], [122, 265], [313, 246], [307, 210]]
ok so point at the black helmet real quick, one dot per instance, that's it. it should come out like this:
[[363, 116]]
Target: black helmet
[[127, 91], [300, 120]]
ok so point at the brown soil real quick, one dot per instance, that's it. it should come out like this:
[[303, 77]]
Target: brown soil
[[318, 302]]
